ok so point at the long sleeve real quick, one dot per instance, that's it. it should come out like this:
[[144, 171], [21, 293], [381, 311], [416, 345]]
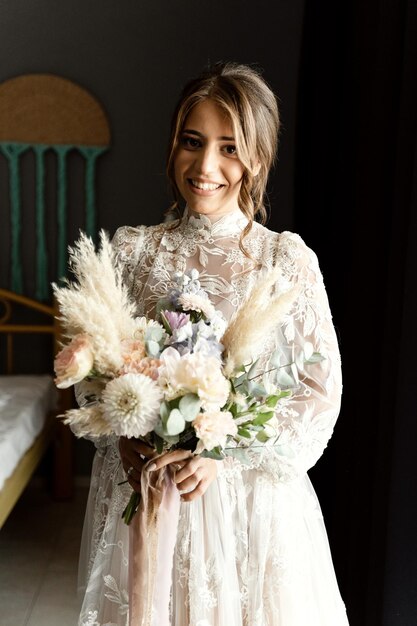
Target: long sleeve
[[304, 422]]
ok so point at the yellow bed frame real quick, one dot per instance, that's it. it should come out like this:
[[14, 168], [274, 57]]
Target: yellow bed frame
[[54, 431]]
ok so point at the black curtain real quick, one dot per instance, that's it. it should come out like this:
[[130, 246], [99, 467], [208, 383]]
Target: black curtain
[[356, 205]]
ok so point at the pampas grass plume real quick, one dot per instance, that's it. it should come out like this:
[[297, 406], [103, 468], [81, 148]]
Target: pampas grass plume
[[254, 320], [87, 422], [97, 303]]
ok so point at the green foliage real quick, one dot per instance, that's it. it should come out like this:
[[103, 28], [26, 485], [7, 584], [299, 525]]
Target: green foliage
[[216, 454], [316, 357], [189, 406], [262, 436], [175, 423]]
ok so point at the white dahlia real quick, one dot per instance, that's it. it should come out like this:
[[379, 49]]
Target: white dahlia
[[196, 302], [131, 404]]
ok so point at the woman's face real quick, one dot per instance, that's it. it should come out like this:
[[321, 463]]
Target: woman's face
[[208, 172]]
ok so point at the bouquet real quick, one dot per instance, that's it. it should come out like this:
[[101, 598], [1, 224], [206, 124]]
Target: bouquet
[[184, 380]]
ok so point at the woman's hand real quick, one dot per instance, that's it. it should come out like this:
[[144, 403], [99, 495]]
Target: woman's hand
[[193, 474], [134, 454]]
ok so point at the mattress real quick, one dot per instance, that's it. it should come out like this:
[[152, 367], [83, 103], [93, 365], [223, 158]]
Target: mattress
[[24, 404]]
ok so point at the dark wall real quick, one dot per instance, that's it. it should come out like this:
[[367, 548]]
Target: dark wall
[[134, 58]]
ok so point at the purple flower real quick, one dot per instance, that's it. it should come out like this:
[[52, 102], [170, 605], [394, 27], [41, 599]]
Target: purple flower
[[176, 320]]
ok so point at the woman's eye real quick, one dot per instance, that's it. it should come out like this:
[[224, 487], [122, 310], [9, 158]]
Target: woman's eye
[[190, 142], [230, 149]]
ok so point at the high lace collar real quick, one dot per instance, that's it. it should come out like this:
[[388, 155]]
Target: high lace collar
[[231, 223]]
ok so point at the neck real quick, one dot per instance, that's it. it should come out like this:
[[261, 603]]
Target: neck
[[215, 216]]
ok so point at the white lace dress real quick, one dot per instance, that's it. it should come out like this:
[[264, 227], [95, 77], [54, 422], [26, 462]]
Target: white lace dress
[[252, 551]]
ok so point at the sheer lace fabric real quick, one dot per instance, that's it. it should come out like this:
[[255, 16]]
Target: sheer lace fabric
[[253, 550]]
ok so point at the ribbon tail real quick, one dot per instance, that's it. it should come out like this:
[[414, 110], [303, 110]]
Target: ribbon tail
[[153, 533]]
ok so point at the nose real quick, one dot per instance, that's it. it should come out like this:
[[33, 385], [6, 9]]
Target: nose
[[207, 160]]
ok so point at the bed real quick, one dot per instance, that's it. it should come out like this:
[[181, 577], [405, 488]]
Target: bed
[[29, 405]]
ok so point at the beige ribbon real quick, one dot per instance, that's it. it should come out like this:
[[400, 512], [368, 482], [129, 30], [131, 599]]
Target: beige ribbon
[[152, 537]]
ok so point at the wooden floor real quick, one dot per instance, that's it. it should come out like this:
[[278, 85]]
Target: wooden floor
[[39, 546]]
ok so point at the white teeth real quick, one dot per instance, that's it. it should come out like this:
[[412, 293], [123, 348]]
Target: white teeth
[[205, 186]]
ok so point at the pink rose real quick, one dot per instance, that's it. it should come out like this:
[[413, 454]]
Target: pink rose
[[74, 362], [212, 429]]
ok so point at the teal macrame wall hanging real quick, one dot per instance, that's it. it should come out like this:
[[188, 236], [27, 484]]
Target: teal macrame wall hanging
[[42, 112]]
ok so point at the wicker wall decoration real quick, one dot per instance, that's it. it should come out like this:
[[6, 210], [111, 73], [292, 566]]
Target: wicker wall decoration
[[43, 112]]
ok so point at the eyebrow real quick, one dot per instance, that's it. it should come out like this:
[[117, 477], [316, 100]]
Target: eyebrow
[[196, 132]]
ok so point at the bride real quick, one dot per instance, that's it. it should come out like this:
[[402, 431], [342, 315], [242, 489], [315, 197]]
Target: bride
[[251, 546]]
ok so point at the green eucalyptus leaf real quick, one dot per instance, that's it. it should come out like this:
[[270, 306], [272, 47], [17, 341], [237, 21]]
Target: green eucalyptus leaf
[[213, 454], [316, 357], [285, 379], [262, 436], [257, 389], [251, 370], [164, 411], [263, 418], [272, 401], [275, 360], [240, 454], [284, 393], [160, 431], [243, 432], [189, 405], [240, 380], [175, 423], [152, 348]]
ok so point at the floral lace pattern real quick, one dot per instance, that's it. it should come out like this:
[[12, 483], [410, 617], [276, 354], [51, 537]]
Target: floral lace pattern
[[253, 550]]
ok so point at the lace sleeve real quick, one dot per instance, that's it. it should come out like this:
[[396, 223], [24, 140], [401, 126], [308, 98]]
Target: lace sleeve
[[128, 244], [304, 422]]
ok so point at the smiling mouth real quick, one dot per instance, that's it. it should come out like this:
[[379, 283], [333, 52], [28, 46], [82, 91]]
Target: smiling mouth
[[204, 186]]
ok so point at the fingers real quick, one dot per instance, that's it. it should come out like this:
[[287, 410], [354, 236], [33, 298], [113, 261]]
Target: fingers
[[195, 477], [169, 457], [142, 448], [137, 446], [185, 470], [134, 454], [197, 492], [135, 484]]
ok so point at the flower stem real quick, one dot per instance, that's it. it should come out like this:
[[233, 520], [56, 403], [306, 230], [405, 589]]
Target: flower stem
[[131, 508]]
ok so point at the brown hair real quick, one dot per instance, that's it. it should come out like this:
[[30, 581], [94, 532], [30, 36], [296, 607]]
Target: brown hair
[[252, 108]]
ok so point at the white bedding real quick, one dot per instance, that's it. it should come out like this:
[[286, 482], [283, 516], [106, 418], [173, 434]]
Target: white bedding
[[24, 404]]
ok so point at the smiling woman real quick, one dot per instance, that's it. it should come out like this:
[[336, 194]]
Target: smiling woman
[[250, 546], [230, 113]]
